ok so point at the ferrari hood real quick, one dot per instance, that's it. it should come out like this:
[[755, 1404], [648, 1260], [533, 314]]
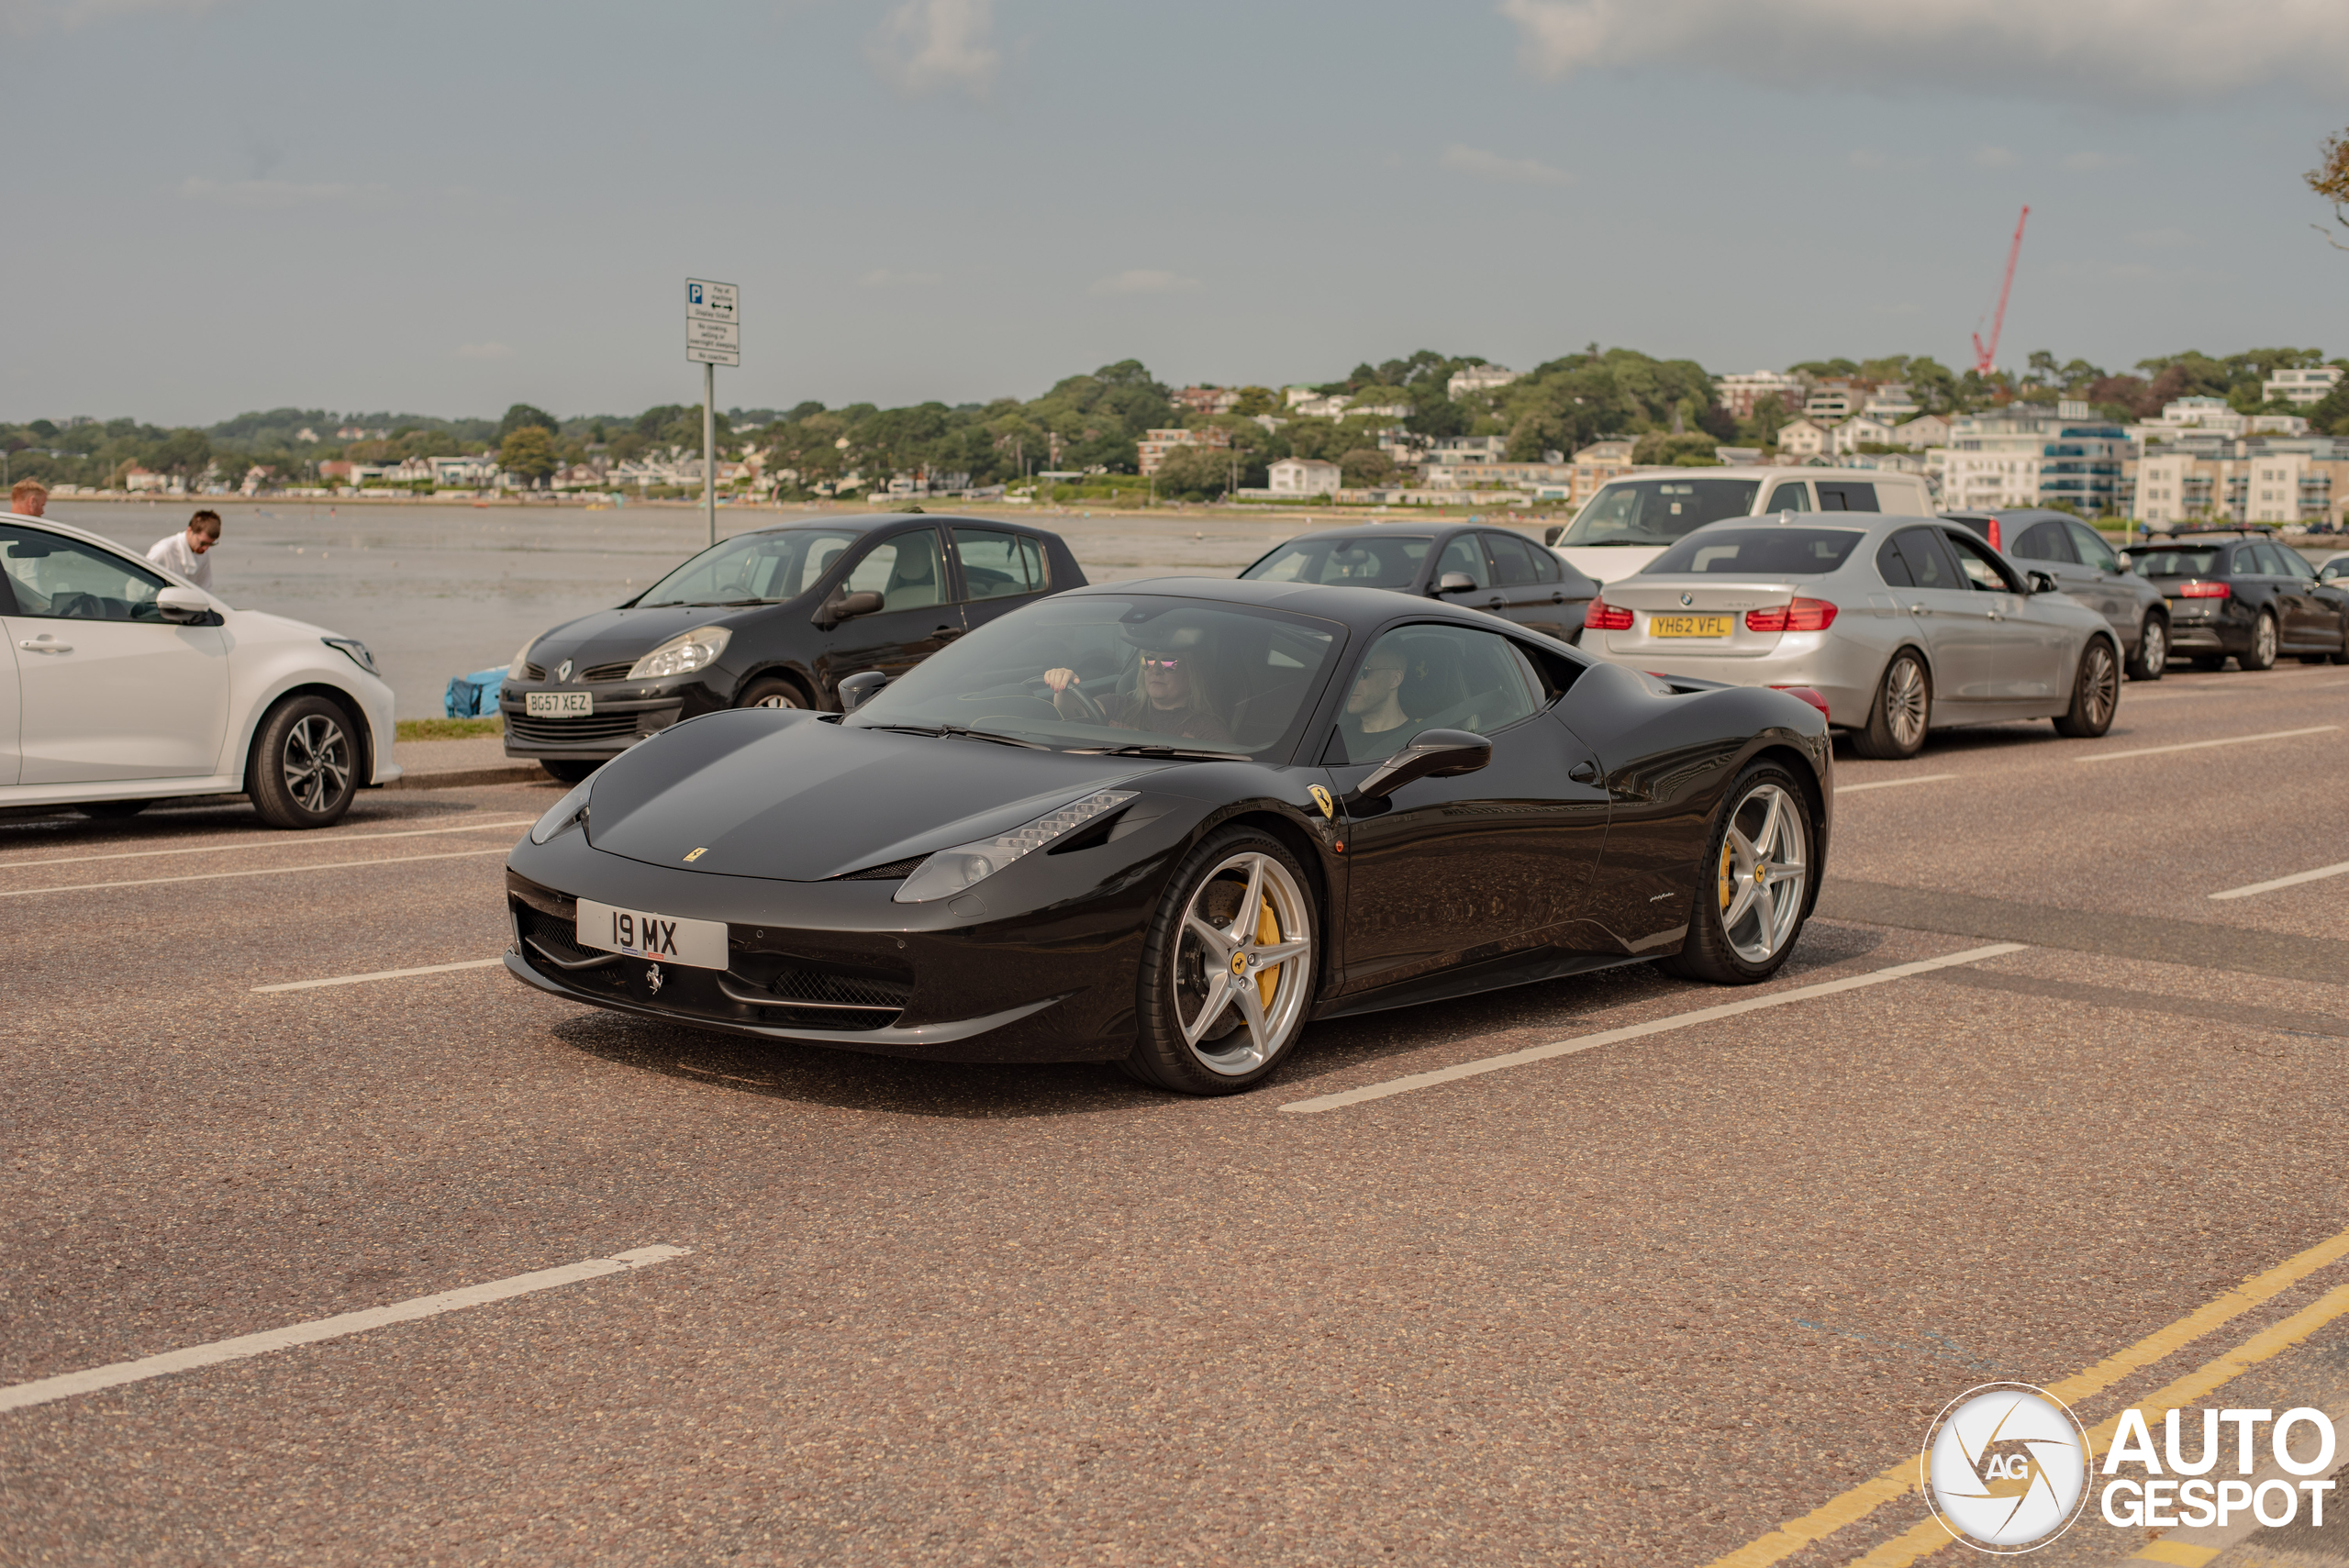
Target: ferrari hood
[[780, 793]]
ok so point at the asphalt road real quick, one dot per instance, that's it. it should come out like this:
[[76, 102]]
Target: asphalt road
[[1641, 1302]]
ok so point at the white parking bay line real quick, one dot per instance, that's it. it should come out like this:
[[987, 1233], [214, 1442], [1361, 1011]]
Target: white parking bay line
[[275, 841], [2199, 745], [378, 975], [1892, 784], [68, 1384], [2292, 881], [1634, 1031], [260, 871]]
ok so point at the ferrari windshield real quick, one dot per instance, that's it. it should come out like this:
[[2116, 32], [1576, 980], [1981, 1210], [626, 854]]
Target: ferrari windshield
[[1758, 552], [1656, 511], [1141, 672], [753, 568], [1374, 561]]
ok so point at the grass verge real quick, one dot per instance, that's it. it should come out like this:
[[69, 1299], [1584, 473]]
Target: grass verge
[[447, 729]]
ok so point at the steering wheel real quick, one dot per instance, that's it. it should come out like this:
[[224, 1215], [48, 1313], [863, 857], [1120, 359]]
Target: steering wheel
[[1091, 713]]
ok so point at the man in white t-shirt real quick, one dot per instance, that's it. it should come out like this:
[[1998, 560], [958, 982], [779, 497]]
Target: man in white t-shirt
[[186, 552]]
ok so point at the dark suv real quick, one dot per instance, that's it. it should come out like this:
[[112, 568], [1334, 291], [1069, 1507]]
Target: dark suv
[[776, 617], [2084, 566], [2243, 594]]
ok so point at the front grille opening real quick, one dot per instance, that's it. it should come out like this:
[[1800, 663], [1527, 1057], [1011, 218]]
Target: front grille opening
[[587, 730], [608, 672], [895, 871], [550, 943], [794, 984]]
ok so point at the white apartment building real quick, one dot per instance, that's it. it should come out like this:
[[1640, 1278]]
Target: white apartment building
[[1478, 378], [2272, 494], [1154, 444], [2301, 386], [2162, 480], [1833, 400], [1467, 448], [1739, 392], [1861, 430], [1890, 402], [1304, 476], [1924, 431], [1977, 481], [2204, 413], [1806, 437]]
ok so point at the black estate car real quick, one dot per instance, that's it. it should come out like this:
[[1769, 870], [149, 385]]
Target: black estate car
[[776, 617], [1495, 570], [2243, 593], [2084, 566]]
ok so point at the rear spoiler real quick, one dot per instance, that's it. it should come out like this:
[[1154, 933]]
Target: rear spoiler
[[1684, 685]]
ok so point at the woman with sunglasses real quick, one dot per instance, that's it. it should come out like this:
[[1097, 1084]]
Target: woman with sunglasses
[[1172, 700]]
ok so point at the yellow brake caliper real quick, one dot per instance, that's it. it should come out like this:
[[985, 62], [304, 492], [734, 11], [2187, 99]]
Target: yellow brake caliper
[[1728, 877], [1268, 931]]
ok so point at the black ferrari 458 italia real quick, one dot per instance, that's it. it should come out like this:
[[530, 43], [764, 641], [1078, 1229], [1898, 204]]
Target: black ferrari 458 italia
[[1169, 823]]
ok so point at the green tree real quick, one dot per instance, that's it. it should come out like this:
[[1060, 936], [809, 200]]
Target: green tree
[[2330, 179], [2332, 413], [1688, 450], [1193, 473], [521, 417], [528, 451], [184, 452], [1365, 466]]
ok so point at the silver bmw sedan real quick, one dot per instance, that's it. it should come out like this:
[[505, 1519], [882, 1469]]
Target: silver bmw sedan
[[1902, 625]]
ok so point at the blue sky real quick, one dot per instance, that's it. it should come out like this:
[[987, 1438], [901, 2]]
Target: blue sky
[[220, 204]]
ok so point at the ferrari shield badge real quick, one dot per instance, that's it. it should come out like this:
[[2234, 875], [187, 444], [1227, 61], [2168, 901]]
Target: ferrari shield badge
[[1321, 798]]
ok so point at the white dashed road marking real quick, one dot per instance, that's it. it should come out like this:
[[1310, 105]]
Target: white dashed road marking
[[2292, 881], [2200, 745], [281, 840], [379, 974], [1892, 784], [68, 1384], [263, 871]]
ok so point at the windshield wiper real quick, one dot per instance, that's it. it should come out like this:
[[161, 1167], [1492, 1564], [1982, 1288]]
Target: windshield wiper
[[1151, 748], [961, 729]]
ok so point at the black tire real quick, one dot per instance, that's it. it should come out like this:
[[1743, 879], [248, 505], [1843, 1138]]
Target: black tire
[[770, 691], [2260, 652], [2210, 660], [111, 810], [1902, 712], [1714, 950], [304, 768], [570, 770], [2153, 649], [2342, 657], [2096, 694], [1180, 970]]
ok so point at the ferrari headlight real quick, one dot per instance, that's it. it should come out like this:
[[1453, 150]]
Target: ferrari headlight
[[949, 871], [681, 655], [565, 813], [519, 668]]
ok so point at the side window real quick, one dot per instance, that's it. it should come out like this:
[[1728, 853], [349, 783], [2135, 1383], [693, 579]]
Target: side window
[[904, 569], [1789, 498], [993, 564], [1031, 555], [1462, 555], [1983, 568], [2296, 564], [1892, 566], [1846, 497], [2093, 550], [1512, 562], [52, 575], [1931, 565], [1433, 677], [2272, 561], [2044, 541], [2245, 561]]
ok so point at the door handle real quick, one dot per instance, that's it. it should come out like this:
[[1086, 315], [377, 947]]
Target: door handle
[[43, 645], [1584, 772], [1558, 596], [1919, 610], [946, 631], [1495, 602]]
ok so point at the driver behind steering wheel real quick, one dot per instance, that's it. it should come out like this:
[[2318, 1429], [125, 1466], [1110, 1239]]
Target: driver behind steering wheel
[[1172, 700]]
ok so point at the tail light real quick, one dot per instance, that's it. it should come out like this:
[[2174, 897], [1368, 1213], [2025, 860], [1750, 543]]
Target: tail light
[[1803, 614], [1807, 694], [1604, 617], [1995, 543], [2205, 591]]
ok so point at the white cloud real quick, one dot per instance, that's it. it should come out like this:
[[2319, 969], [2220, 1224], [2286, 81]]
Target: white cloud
[[266, 193], [1145, 279], [483, 351], [1994, 158], [1500, 170], [886, 278], [2127, 49], [929, 45]]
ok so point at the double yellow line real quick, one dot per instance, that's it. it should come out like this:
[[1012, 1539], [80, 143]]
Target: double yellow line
[[1930, 1535]]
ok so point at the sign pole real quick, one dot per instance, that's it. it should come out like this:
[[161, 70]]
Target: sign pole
[[709, 446]]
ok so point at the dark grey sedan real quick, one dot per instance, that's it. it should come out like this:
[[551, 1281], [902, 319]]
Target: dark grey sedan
[[2084, 566], [1478, 567]]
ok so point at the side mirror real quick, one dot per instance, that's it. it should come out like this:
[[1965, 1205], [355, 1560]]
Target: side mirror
[[183, 606], [2042, 581], [847, 607], [1455, 583], [861, 688], [1432, 754]]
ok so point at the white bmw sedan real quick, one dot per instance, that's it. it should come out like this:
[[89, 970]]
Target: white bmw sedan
[[126, 685]]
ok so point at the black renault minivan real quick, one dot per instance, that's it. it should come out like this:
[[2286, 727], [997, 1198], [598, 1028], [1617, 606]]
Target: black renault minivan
[[776, 617]]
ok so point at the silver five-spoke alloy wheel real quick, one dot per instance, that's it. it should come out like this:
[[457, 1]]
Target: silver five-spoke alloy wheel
[[317, 761], [1243, 965], [1763, 873], [1905, 703]]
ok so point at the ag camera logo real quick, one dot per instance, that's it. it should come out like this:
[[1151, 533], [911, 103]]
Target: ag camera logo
[[2005, 1467]]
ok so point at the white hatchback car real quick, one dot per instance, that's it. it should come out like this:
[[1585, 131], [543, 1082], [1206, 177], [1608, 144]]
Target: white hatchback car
[[126, 685]]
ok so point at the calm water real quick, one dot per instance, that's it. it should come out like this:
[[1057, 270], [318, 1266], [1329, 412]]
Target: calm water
[[443, 591]]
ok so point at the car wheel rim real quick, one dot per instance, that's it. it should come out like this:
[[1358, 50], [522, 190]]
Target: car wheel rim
[[318, 762], [2264, 641], [2156, 646], [1904, 702], [2100, 685], [1243, 964], [1765, 871], [778, 699]]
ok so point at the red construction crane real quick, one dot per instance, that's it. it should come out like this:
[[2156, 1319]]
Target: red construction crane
[[1986, 355]]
